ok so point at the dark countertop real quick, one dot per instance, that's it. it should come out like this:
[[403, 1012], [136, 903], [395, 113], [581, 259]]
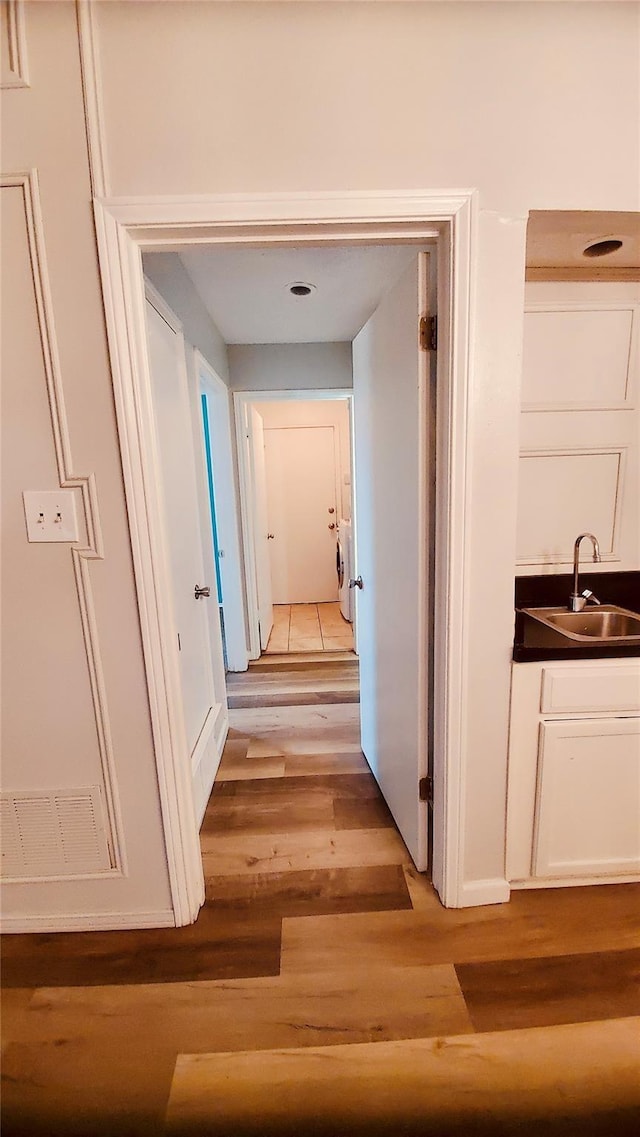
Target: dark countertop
[[534, 642]]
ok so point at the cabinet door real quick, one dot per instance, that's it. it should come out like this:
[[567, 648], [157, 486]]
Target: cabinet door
[[588, 798]]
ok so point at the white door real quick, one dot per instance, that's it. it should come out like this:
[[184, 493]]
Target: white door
[[301, 497], [230, 563], [391, 516], [261, 527], [203, 712]]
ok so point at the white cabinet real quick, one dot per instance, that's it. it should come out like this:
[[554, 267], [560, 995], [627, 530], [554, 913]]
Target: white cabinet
[[573, 809]]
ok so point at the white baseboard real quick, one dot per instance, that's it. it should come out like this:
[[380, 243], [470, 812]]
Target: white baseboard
[[573, 881], [495, 890], [90, 922]]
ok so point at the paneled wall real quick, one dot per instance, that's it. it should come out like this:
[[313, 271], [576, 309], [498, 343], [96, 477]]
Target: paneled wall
[[83, 843], [580, 426]]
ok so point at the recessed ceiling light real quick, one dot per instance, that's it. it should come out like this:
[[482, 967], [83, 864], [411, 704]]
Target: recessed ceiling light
[[301, 288], [601, 248]]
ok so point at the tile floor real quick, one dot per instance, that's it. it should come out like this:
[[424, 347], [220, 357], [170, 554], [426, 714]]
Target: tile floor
[[309, 627]]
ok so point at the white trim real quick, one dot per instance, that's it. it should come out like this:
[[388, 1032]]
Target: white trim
[[495, 890], [530, 883], [88, 922], [92, 97], [17, 46], [124, 296], [124, 227], [456, 305], [231, 574]]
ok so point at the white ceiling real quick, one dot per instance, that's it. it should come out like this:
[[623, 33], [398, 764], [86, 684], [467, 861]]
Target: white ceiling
[[246, 293]]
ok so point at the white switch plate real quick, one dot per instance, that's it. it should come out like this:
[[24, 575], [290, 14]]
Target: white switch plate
[[50, 515]]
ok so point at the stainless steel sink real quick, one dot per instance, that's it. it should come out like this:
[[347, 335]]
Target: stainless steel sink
[[605, 624]]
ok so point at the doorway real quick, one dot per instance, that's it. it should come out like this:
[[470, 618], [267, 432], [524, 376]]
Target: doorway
[[125, 228], [297, 548]]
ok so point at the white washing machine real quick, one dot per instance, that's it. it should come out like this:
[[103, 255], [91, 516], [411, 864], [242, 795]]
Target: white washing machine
[[344, 563]]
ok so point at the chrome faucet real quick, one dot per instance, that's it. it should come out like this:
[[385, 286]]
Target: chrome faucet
[[577, 600]]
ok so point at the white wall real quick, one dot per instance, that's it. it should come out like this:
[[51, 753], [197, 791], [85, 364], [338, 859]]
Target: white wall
[[290, 366], [167, 272], [580, 426], [507, 98], [233, 98], [329, 412]]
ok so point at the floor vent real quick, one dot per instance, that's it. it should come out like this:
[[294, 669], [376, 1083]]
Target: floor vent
[[58, 833]]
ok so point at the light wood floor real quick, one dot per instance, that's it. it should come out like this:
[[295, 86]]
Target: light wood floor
[[323, 989], [309, 627]]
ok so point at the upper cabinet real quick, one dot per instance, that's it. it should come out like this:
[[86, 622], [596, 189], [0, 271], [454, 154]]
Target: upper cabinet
[[580, 426]]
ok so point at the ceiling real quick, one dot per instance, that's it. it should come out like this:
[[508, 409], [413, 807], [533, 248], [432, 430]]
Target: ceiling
[[557, 239], [246, 290]]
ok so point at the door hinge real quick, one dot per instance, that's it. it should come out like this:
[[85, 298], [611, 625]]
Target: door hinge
[[429, 333], [425, 789]]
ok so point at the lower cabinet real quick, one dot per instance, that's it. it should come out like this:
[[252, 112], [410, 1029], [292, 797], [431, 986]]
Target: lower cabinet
[[573, 809]]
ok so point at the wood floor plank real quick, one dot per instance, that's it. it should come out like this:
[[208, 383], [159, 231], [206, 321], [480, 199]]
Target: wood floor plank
[[271, 816], [543, 923], [514, 993], [370, 813], [232, 853], [310, 892], [250, 769], [578, 1079], [249, 1013], [62, 1087], [354, 787], [300, 661], [219, 945], [301, 699], [309, 765]]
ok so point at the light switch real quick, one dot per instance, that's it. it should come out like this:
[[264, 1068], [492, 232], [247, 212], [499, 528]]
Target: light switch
[[50, 515]]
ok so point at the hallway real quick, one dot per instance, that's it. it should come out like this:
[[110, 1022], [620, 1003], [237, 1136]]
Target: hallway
[[324, 989]]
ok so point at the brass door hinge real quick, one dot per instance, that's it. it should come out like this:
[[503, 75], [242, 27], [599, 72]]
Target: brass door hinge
[[429, 333], [425, 789]]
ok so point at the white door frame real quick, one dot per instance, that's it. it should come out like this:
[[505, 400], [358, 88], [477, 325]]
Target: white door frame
[[125, 227], [242, 401], [226, 514]]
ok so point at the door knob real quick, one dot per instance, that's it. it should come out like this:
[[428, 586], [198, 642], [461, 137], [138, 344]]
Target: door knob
[[198, 592], [331, 509], [357, 583], [332, 526]]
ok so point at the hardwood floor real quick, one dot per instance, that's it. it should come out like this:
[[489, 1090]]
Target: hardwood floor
[[324, 990]]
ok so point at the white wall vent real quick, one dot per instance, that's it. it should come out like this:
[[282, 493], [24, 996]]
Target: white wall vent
[[53, 833]]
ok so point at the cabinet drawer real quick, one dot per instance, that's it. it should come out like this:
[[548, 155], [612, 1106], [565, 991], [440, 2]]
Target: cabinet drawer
[[590, 689]]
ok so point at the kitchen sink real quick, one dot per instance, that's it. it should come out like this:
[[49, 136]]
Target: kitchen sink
[[604, 624]]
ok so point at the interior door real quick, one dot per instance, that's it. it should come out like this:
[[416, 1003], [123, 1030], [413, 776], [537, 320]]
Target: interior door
[[301, 496], [391, 518], [261, 527], [173, 426]]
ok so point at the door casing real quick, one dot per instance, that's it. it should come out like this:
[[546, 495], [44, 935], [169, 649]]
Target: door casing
[[126, 227]]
